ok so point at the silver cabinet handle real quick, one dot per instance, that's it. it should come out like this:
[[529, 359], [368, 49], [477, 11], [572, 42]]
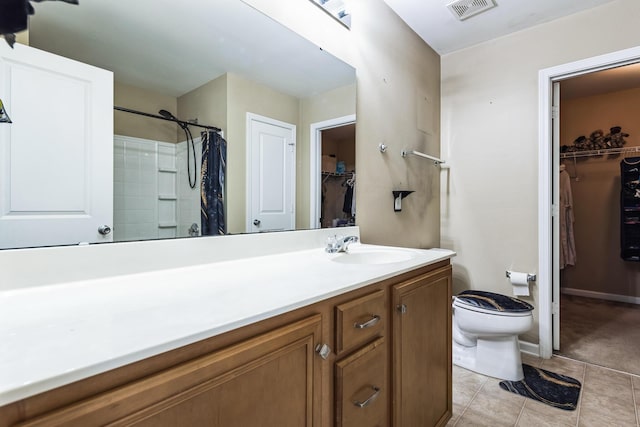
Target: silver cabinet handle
[[323, 350], [374, 320], [104, 230], [376, 392]]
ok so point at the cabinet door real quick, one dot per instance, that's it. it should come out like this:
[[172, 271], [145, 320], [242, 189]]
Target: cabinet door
[[422, 350], [361, 389], [271, 380]]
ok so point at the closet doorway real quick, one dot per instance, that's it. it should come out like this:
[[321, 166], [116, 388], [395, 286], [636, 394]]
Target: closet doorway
[[333, 172], [595, 180], [338, 173], [599, 289]]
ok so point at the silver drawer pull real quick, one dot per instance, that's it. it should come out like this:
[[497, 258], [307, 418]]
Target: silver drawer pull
[[323, 350], [376, 392], [369, 323]]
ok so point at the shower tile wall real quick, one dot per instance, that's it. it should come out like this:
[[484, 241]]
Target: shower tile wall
[[135, 189], [152, 196], [167, 194]]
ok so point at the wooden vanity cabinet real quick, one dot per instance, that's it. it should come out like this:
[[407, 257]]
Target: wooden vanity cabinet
[[361, 395], [390, 365], [421, 361], [361, 377], [360, 320], [270, 380]]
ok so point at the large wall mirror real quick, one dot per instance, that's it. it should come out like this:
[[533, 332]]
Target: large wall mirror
[[210, 62]]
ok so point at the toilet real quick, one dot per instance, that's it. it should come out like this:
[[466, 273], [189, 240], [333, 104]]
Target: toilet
[[486, 326]]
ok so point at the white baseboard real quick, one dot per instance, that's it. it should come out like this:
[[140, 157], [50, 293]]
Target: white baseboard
[[530, 348], [600, 295]]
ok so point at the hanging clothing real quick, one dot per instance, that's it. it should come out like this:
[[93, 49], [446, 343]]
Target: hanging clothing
[[348, 200], [349, 205], [212, 173], [333, 192], [567, 239]]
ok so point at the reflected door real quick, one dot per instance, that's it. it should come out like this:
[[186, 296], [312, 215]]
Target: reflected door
[[271, 174], [56, 158]]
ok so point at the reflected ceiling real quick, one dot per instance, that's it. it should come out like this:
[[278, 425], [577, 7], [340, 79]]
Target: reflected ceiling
[[175, 47]]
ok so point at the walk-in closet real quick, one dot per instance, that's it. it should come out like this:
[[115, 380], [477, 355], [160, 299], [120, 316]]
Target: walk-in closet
[[338, 176], [600, 218]]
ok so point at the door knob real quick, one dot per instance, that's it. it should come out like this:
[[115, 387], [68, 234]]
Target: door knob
[[104, 230], [256, 222]]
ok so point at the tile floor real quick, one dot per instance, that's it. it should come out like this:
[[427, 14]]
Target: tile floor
[[608, 398]]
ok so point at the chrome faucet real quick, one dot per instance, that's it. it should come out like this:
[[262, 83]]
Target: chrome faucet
[[339, 243], [194, 231]]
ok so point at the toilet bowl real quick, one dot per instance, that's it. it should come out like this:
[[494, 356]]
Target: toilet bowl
[[486, 326]]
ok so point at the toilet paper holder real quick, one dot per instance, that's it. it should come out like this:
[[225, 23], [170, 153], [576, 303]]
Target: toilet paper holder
[[530, 277]]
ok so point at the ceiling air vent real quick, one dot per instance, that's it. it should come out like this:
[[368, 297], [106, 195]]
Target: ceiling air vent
[[463, 9]]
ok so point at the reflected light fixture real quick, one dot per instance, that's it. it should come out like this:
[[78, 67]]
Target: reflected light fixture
[[4, 117]]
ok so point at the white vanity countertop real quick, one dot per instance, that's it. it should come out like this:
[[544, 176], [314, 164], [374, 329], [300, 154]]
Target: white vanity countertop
[[57, 334]]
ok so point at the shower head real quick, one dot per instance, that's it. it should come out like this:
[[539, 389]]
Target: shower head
[[167, 115]]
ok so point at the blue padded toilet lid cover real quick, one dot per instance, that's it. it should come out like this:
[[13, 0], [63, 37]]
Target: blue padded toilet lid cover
[[495, 302]]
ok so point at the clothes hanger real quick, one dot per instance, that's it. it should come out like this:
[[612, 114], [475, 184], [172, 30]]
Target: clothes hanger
[[575, 170]]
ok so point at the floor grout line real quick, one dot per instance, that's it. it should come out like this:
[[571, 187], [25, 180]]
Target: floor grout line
[[524, 403], [584, 380], [470, 400], [633, 394]]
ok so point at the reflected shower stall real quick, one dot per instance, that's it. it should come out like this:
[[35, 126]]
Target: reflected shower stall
[[157, 190]]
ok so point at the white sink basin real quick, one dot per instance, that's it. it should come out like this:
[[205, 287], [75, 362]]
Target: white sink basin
[[373, 256]]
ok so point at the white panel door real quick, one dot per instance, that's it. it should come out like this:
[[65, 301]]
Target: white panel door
[[271, 174], [56, 158]]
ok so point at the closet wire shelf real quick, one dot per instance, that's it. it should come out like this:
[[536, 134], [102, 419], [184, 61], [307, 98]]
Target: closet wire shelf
[[602, 152]]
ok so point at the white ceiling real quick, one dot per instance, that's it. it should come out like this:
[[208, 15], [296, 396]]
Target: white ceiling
[[432, 21], [173, 47], [436, 25]]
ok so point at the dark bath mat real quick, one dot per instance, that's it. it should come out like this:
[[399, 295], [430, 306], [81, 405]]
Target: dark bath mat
[[547, 387]]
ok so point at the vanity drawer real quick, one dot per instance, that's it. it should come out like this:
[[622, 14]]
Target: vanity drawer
[[361, 390], [359, 320]]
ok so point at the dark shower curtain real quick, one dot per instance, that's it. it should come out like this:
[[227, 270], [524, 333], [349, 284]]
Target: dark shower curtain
[[212, 172]]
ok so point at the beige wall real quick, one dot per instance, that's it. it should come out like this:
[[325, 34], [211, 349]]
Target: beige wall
[[596, 194], [208, 104], [490, 137], [398, 79], [146, 101], [23, 37]]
